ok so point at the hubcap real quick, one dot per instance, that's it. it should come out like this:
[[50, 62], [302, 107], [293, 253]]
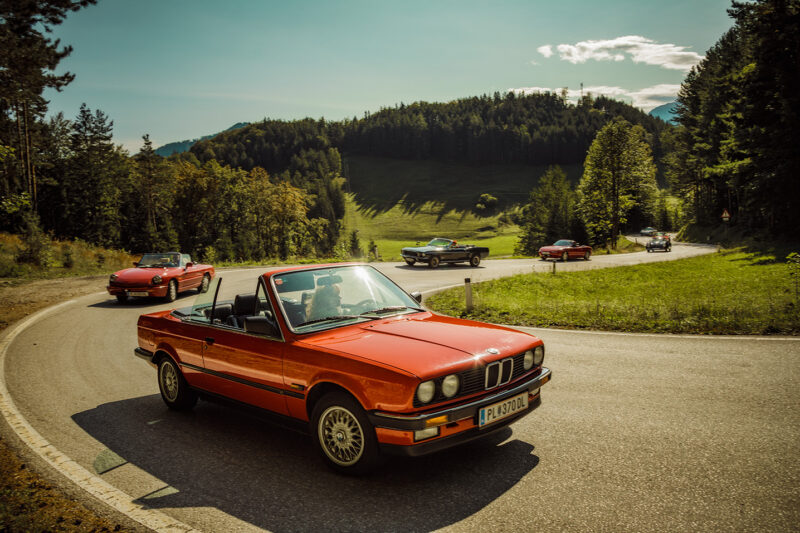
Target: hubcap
[[173, 291], [169, 381], [341, 436]]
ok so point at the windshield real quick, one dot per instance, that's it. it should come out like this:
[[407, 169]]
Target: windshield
[[160, 260], [439, 242], [563, 243], [313, 300]]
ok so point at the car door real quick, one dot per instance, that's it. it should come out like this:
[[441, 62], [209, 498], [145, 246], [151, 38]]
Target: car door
[[189, 276], [246, 366]]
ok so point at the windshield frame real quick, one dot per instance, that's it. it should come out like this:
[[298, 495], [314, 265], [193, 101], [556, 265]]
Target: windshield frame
[[412, 305], [567, 241], [171, 255]]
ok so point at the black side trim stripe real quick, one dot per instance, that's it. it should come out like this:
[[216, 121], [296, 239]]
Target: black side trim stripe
[[249, 383]]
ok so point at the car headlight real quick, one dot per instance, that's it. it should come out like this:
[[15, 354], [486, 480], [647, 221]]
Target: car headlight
[[156, 280], [538, 355], [450, 386], [425, 391], [527, 361], [112, 277]]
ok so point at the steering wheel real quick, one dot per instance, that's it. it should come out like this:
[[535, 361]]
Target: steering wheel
[[361, 306]]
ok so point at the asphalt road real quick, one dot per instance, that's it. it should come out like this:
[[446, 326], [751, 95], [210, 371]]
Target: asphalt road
[[636, 433]]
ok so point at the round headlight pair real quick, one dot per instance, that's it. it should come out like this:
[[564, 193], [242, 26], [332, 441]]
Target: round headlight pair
[[113, 277], [533, 358], [427, 389], [156, 280]]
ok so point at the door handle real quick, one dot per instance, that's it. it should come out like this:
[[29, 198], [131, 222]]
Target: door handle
[[209, 340]]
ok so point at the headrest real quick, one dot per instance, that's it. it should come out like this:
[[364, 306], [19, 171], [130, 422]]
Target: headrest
[[222, 310], [244, 304]]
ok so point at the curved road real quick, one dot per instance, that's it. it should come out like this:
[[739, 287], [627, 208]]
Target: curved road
[[636, 433]]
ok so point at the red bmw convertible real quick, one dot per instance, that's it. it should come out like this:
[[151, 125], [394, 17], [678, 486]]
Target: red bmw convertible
[[346, 351], [161, 275]]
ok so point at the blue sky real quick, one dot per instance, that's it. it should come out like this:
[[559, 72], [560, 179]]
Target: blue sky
[[179, 69]]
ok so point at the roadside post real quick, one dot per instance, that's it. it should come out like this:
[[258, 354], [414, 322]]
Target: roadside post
[[468, 293], [726, 217], [554, 267]]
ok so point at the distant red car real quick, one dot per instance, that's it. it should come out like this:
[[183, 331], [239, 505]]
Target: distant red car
[[345, 350], [161, 275], [566, 249]]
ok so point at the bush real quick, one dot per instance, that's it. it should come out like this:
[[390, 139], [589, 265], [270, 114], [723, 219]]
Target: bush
[[36, 247]]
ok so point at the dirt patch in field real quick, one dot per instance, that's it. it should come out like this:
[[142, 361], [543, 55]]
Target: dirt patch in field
[[27, 501]]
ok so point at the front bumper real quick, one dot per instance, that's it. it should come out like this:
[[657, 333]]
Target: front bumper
[[158, 291], [463, 418]]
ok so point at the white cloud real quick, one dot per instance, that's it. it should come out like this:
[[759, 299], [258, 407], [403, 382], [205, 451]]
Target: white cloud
[[645, 99], [640, 49]]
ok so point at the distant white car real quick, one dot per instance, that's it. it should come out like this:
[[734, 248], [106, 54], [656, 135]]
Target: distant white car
[[648, 232]]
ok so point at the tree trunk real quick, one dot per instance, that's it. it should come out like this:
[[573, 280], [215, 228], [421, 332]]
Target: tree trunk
[[31, 174]]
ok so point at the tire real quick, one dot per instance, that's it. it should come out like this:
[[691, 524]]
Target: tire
[[649, 250], [474, 260], [564, 257], [587, 256], [434, 263], [122, 298], [174, 389], [204, 284], [343, 435], [172, 291], [410, 262]]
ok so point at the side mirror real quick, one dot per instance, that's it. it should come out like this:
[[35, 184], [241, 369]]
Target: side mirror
[[261, 325], [417, 296], [189, 265]]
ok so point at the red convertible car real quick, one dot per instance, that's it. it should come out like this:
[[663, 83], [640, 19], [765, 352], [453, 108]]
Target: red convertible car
[[346, 351], [162, 275], [565, 249]]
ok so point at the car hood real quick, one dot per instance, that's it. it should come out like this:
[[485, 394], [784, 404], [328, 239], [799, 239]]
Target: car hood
[[141, 275], [422, 249], [553, 248], [425, 344]]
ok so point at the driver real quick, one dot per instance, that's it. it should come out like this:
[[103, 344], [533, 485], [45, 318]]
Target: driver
[[325, 302]]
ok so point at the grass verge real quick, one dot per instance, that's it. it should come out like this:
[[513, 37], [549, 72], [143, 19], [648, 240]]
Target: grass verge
[[733, 292]]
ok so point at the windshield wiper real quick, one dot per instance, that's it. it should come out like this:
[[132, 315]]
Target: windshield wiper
[[389, 309], [334, 318]]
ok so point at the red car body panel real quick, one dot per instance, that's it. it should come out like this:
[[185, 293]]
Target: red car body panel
[[138, 280], [379, 362], [574, 251]]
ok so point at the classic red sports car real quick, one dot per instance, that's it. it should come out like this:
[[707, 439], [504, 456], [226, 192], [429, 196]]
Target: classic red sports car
[[345, 350], [565, 249], [163, 275]]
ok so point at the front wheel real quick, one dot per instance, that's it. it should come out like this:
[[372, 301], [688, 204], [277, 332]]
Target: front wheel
[[204, 284], [174, 389], [564, 257], [172, 291], [434, 263], [122, 298], [410, 262], [343, 434], [474, 260]]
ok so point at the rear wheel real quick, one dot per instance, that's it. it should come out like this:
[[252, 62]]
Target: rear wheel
[[434, 262], [174, 389], [343, 434], [475, 260], [564, 257], [587, 255]]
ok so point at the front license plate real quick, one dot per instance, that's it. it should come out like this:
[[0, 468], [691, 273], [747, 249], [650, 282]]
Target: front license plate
[[501, 410], [138, 293]]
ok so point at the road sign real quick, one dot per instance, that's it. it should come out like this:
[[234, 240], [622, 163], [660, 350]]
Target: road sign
[[725, 215]]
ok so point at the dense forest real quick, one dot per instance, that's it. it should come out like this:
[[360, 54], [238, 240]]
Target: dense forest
[[535, 129], [736, 146]]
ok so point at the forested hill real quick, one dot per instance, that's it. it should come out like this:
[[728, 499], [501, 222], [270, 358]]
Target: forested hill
[[178, 147], [535, 129]]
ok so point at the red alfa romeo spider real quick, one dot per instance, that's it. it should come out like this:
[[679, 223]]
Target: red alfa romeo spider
[[162, 275], [566, 249], [346, 351]]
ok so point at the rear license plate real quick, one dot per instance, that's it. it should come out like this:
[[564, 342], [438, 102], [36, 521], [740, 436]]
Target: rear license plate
[[501, 410], [138, 293]]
